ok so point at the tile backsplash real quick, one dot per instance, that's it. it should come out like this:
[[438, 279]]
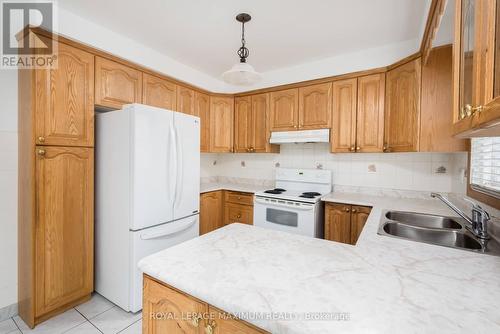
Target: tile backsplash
[[442, 172]]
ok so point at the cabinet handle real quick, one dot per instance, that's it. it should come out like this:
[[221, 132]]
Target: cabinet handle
[[41, 139], [353, 210], [41, 152], [238, 216], [209, 328], [352, 149], [239, 197], [196, 321], [295, 126], [386, 148], [347, 210], [358, 148]]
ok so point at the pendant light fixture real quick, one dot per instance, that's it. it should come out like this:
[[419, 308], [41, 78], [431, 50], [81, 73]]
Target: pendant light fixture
[[242, 73]]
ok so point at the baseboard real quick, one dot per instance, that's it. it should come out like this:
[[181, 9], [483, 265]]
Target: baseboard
[[8, 312]]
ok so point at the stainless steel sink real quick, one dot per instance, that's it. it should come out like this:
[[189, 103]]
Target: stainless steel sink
[[437, 230], [423, 220]]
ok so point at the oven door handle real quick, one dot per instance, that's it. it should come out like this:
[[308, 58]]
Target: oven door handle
[[281, 205]]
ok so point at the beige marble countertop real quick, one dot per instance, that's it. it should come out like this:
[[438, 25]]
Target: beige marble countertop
[[382, 285]]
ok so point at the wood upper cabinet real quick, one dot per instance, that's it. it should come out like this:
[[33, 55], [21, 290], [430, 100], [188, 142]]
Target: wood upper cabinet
[[202, 110], [224, 323], [476, 74], [211, 211], [177, 313], [116, 84], [359, 217], [402, 107], [285, 110], [315, 106], [338, 222], [243, 127], [65, 100], [158, 92], [370, 113], [344, 109], [185, 100], [65, 226], [221, 124]]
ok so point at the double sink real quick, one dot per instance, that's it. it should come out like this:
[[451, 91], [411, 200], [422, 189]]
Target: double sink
[[437, 230]]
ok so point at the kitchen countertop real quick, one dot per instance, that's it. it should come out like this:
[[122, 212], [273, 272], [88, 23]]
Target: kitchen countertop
[[383, 285], [243, 187]]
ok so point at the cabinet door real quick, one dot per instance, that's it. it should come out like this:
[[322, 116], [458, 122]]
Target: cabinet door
[[358, 220], [185, 100], [167, 311], [237, 213], [210, 211], [344, 108], [116, 84], [159, 92], [260, 124], [402, 108], [315, 106], [338, 222], [64, 245], [202, 110], [221, 124], [284, 110], [370, 119], [65, 100], [224, 323], [243, 127]]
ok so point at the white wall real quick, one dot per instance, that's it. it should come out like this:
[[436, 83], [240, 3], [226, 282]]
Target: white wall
[[8, 188], [405, 171]]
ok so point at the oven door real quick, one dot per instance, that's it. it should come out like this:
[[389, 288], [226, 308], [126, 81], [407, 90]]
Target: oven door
[[283, 215]]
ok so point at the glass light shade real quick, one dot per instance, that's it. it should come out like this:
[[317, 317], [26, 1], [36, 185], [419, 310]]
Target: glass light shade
[[241, 74]]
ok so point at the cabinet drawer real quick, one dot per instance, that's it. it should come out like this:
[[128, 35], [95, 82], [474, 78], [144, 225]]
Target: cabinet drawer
[[236, 213], [239, 198]]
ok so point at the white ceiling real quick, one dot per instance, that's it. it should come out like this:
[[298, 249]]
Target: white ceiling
[[203, 34]]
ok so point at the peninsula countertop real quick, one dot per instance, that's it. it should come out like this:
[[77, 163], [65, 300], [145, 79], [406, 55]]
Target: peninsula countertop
[[382, 284]]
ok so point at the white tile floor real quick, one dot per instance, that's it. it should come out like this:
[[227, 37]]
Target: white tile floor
[[97, 316]]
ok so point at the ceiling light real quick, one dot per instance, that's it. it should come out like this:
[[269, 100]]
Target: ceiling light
[[242, 73]]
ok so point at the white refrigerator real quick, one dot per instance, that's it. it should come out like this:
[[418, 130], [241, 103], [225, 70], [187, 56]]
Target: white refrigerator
[[147, 193]]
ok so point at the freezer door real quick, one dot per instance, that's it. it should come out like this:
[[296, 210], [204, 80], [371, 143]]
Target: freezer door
[[152, 240], [152, 166], [187, 148]]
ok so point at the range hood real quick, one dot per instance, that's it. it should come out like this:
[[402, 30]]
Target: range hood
[[304, 136]]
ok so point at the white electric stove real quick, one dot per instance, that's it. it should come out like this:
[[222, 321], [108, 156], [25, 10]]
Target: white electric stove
[[294, 205]]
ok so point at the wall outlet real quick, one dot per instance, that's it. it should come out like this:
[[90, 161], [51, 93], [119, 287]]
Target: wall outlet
[[372, 168], [243, 164]]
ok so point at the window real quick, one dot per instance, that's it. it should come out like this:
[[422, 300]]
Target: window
[[485, 165]]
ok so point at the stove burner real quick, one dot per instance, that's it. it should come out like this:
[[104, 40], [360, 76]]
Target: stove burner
[[276, 191], [311, 193]]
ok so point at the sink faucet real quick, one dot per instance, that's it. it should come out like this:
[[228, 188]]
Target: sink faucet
[[479, 220]]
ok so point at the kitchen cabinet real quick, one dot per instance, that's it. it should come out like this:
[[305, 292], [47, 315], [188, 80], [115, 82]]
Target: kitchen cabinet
[[65, 105], [358, 114], [166, 310], [202, 110], [315, 106], [64, 230], [221, 124], [158, 92], [436, 118], [185, 100], [344, 222], [211, 206], [116, 84], [402, 107], [251, 126], [285, 110], [238, 208], [476, 74]]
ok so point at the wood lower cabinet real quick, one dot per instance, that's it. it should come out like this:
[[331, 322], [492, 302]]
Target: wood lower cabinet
[[185, 101], [315, 106], [284, 110], [238, 208], [221, 124], [211, 208], [158, 92], [202, 110], [344, 222], [168, 310], [402, 107], [65, 100], [116, 84]]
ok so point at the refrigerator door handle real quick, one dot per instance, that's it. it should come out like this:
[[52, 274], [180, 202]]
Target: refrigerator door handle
[[173, 163], [177, 229], [179, 175]]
